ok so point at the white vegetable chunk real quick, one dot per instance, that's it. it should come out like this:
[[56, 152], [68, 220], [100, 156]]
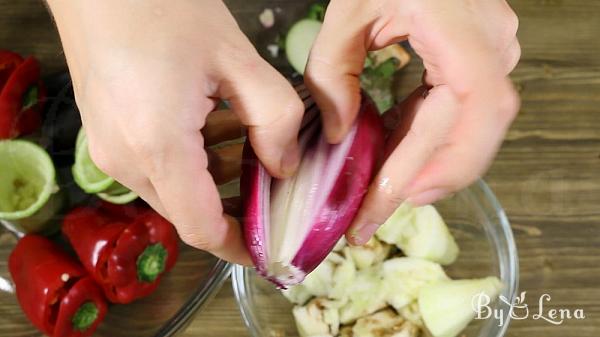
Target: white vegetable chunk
[[420, 232], [340, 245], [392, 230], [447, 307], [405, 276], [297, 294], [411, 313], [343, 278], [319, 281], [309, 321], [319, 317], [385, 323], [370, 253], [365, 295]]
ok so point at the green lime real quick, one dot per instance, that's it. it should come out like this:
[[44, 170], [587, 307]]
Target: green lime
[[27, 181], [86, 174]]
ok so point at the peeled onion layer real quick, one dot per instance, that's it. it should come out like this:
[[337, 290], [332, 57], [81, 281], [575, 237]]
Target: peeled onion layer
[[292, 224]]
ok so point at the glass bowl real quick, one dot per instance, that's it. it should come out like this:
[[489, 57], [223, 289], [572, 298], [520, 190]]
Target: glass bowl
[[482, 231]]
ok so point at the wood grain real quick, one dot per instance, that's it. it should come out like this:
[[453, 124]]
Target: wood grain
[[547, 174]]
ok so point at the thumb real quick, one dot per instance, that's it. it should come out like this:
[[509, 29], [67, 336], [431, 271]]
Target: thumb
[[271, 109], [336, 61]]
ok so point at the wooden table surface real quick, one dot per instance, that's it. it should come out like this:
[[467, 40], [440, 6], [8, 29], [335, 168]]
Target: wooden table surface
[[547, 174]]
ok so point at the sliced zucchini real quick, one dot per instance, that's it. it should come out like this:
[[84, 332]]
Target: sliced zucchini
[[385, 323], [309, 321], [317, 318], [412, 314], [85, 172], [115, 189], [429, 238], [371, 253], [297, 294], [92, 180], [447, 306], [392, 230], [319, 281], [299, 42], [366, 295], [118, 199], [343, 278], [27, 179], [405, 276], [340, 245], [420, 232]]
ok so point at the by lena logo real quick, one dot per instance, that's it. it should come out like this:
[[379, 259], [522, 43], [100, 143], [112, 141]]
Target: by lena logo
[[519, 310]]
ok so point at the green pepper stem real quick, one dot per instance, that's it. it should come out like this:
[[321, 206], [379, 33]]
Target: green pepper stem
[[151, 263], [30, 97], [85, 316]]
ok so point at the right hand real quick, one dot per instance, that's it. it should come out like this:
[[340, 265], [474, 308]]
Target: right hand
[[146, 75], [449, 129]]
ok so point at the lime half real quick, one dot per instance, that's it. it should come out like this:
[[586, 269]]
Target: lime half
[[27, 179], [86, 174]]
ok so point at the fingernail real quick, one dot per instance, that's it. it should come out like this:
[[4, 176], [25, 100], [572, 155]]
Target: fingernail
[[427, 197], [290, 160], [334, 135], [363, 234]]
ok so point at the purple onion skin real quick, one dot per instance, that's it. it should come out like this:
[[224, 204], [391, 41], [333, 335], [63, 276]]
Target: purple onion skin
[[254, 176], [348, 192], [336, 214]]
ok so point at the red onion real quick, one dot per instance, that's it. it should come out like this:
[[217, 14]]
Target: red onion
[[291, 225]]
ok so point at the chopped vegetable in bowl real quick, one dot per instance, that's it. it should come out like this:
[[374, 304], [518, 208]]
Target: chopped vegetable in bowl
[[478, 226], [380, 289]]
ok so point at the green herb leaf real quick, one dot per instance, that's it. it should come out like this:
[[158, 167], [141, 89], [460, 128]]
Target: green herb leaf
[[387, 68], [30, 98], [368, 62], [317, 11], [280, 42]]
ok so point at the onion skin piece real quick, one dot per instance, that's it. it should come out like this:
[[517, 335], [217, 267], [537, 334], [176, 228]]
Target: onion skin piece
[[253, 180], [335, 214], [349, 189]]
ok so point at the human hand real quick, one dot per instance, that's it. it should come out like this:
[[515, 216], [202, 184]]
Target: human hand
[[447, 131], [146, 75]]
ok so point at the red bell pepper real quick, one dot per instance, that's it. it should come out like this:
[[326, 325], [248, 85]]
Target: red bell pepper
[[125, 248], [21, 97], [54, 290], [8, 63]]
